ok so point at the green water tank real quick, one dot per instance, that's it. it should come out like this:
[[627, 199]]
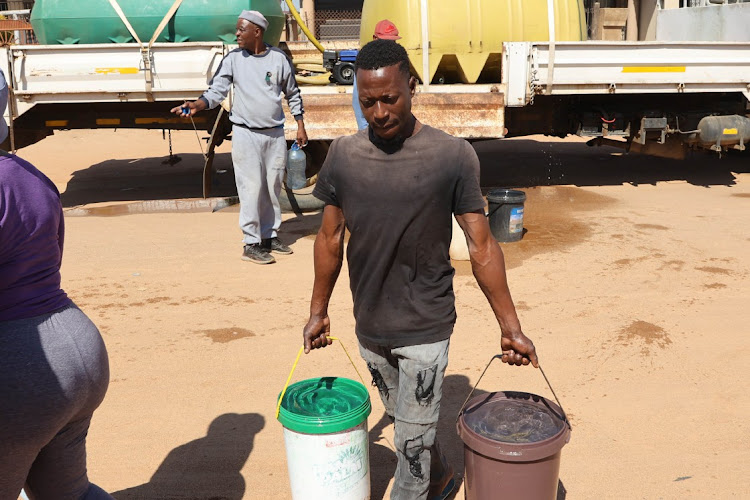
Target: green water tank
[[95, 21]]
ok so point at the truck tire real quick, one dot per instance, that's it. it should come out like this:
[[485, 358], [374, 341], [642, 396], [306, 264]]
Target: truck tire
[[343, 73]]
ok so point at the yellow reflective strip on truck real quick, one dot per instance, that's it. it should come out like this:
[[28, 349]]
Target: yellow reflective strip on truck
[[121, 71], [107, 121], [56, 123], [653, 69], [730, 131]]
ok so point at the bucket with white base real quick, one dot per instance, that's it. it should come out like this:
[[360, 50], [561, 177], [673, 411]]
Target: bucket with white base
[[325, 434]]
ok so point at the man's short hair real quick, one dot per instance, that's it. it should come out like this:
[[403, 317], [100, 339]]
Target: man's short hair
[[381, 54]]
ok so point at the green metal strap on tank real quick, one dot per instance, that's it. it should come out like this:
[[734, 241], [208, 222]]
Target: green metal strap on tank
[[125, 21], [171, 12], [146, 52]]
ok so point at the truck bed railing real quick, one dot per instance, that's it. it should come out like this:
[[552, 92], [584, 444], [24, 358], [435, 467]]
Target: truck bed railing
[[109, 72], [114, 73], [624, 68]]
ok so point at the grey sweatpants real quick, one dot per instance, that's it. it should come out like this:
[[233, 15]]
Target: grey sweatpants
[[259, 159], [54, 373], [410, 383]]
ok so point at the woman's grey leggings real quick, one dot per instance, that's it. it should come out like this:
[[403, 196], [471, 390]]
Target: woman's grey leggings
[[53, 375]]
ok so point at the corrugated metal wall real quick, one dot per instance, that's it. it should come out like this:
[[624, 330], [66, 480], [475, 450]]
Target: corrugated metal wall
[[16, 4], [338, 4]]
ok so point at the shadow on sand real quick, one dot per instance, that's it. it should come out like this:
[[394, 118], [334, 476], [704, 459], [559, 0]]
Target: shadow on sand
[[148, 179], [300, 226], [207, 468], [524, 163], [504, 162]]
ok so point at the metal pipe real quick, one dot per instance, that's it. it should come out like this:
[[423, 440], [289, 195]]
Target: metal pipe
[[426, 77], [304, 27], [551, 61]]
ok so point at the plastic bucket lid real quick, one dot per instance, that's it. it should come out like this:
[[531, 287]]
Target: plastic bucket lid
[[324, 405], [506, 196], [513, 426]]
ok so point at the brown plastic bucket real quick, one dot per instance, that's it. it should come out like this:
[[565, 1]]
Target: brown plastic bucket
[[512, 446]]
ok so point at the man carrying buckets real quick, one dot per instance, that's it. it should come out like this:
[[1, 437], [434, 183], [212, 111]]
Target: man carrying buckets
[[395, 187]]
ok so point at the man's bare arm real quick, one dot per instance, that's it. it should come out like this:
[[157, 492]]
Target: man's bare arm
[[328, 257], [488, 266]]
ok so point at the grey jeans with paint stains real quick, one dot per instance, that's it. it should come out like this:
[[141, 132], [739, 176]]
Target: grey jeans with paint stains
[[410, 382]]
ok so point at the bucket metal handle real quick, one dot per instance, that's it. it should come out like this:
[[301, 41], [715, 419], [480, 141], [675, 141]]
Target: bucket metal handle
[[294, 367], [499, 356], [489, 214]]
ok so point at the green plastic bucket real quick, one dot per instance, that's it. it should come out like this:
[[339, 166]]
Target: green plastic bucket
[[95, 21], [326, 439]]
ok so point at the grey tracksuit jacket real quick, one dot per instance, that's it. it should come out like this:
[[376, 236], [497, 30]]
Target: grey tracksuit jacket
[[259, 81]]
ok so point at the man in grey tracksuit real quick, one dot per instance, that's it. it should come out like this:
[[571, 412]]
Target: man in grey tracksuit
[[260, 74]]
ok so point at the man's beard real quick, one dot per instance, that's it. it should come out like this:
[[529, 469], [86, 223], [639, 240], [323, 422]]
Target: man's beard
[[388, 146]]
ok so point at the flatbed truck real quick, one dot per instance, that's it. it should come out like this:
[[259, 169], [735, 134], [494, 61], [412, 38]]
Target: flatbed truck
[[659, 98]]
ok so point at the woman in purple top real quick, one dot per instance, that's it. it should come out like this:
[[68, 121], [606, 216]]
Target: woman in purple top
[[54, 370]]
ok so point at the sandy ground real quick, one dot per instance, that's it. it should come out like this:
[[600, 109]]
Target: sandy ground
[[632, 280]]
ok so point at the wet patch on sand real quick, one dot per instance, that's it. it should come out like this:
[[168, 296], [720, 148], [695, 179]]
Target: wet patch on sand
[[714, 286], [741, 195], [628, 262], [154, 300], [644, 333], [223, 301], [87, 298], [652, 226], [550, 223], [151, 207], [715, 270], [224, 335], [726, 260], [674, 265]]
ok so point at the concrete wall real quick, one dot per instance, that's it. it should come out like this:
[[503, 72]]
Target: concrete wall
[[647, 19], [718, 23]]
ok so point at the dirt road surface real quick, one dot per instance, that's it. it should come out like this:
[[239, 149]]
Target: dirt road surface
[[632, 280]]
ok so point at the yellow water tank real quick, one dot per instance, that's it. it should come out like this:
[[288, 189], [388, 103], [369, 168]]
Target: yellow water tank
[[466, 36]]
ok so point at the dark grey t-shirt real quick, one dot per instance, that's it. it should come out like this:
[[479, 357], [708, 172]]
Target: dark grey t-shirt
[[398, 209]]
